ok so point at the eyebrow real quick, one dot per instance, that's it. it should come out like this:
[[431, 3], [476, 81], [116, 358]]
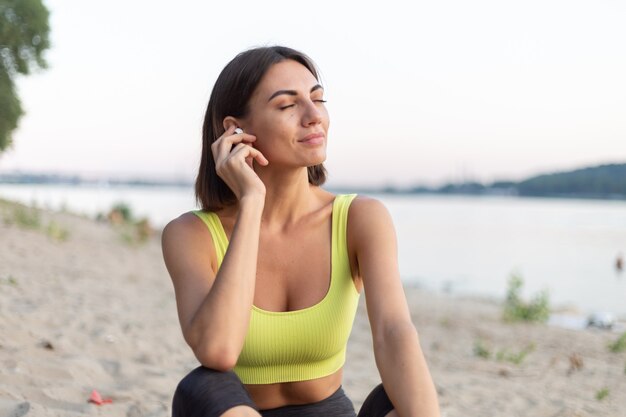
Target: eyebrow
[[293, 92]]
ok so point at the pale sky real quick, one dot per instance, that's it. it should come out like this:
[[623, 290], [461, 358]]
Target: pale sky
[[418, 92]]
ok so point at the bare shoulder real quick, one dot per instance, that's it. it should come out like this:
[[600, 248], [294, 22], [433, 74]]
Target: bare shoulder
[[370, 236], [185, 223], [368, 215], [184, 236]]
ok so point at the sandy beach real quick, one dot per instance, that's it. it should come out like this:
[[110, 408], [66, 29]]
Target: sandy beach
[[83, 306]]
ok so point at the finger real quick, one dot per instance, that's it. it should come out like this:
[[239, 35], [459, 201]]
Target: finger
[[227, 142], [224, 146], [228, 132], [248, 151]]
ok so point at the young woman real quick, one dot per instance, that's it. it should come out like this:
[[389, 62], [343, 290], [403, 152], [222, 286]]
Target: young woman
[[268, 274]]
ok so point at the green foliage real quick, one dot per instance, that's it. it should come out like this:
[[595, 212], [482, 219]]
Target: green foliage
[[30, 218], [515, 309], [602, 394], [25, 217], [57, 232], [619, 345], [24, 36], [516, 358], [131, 230], [9, 280], [481, 350], [10, 110], [124, 211]]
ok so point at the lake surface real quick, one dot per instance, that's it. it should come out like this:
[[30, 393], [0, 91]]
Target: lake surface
[[462, 245]]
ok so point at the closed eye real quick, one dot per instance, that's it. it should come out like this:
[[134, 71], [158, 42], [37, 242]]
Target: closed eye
[[291, 105]]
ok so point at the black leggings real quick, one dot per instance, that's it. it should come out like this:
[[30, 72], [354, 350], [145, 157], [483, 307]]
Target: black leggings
[[208, 393]]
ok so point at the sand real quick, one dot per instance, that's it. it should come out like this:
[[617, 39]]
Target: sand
[[96, 311]]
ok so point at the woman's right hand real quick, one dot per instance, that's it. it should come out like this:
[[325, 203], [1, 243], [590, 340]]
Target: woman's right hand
[[233, 155]]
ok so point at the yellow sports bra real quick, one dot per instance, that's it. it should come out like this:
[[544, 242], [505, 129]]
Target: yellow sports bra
[[302, 344]]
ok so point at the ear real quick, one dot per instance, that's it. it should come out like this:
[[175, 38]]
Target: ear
[[230, 121]]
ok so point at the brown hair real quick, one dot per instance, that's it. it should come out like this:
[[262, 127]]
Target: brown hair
[[231, 93]]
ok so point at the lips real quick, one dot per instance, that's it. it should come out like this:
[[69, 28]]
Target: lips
[[313, 138]]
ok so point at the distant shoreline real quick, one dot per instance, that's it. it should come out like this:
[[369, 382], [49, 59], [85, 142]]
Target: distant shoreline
[[389, 191], [602, 182]]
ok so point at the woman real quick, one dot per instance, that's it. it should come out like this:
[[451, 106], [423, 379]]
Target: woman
[[251, 269]]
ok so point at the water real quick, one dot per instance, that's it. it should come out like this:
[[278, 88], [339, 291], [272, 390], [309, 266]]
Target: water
[[468, 245]]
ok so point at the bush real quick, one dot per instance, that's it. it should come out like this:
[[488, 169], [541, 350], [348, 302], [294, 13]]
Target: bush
[[26, 217], [516, 358], [481, 350], [132, 231], [619, 345], [515, 309], [602, 394], [120, 213], [57, 232]]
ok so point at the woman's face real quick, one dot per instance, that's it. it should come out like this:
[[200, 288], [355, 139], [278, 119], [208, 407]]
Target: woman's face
[[288, 116]]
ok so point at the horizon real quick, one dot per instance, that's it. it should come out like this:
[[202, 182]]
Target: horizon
[[123, 178]]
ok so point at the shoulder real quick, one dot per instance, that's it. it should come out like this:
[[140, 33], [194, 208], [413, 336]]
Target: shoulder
[[185, 224], [369, 223], [187, 240], [186, 233], [366, 213]]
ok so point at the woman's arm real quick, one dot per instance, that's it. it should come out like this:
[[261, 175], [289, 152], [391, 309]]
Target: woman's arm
[[399, 358], [214, 309]]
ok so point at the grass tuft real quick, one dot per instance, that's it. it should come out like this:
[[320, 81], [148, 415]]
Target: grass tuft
[[602, 394], [9, 280], [513, 357], [25, 217], [57, 232], [619, 345], [132, 231], [481, 350], [515, 309]]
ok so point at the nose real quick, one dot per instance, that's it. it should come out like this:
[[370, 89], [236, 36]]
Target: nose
[[312, 114]]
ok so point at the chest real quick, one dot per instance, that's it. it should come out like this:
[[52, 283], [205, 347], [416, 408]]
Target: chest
[[293, 269]]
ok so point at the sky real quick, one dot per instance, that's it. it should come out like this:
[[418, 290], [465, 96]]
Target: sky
[[419, 92]]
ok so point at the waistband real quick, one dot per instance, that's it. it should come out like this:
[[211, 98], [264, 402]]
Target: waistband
[[336, 405]]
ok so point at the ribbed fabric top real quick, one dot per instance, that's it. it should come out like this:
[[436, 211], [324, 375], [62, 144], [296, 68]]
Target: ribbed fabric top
[[302, 344]]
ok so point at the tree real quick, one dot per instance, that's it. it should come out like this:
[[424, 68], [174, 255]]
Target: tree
[[24, 34]]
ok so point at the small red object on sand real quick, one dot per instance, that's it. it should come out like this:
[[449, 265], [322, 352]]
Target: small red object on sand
[[97, 399]]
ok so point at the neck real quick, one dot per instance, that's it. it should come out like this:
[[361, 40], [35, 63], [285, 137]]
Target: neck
[[288, 197]]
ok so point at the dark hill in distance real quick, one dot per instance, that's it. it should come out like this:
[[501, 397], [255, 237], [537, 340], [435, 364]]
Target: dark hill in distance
[[604, 181]]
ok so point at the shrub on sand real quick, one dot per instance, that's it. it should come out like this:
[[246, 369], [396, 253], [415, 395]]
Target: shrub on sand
[[602, 394], [26, 217], [481, 350], [57, 232], [619, 345], [515, 309], [120, 213], [516, 358], [131, 230]]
